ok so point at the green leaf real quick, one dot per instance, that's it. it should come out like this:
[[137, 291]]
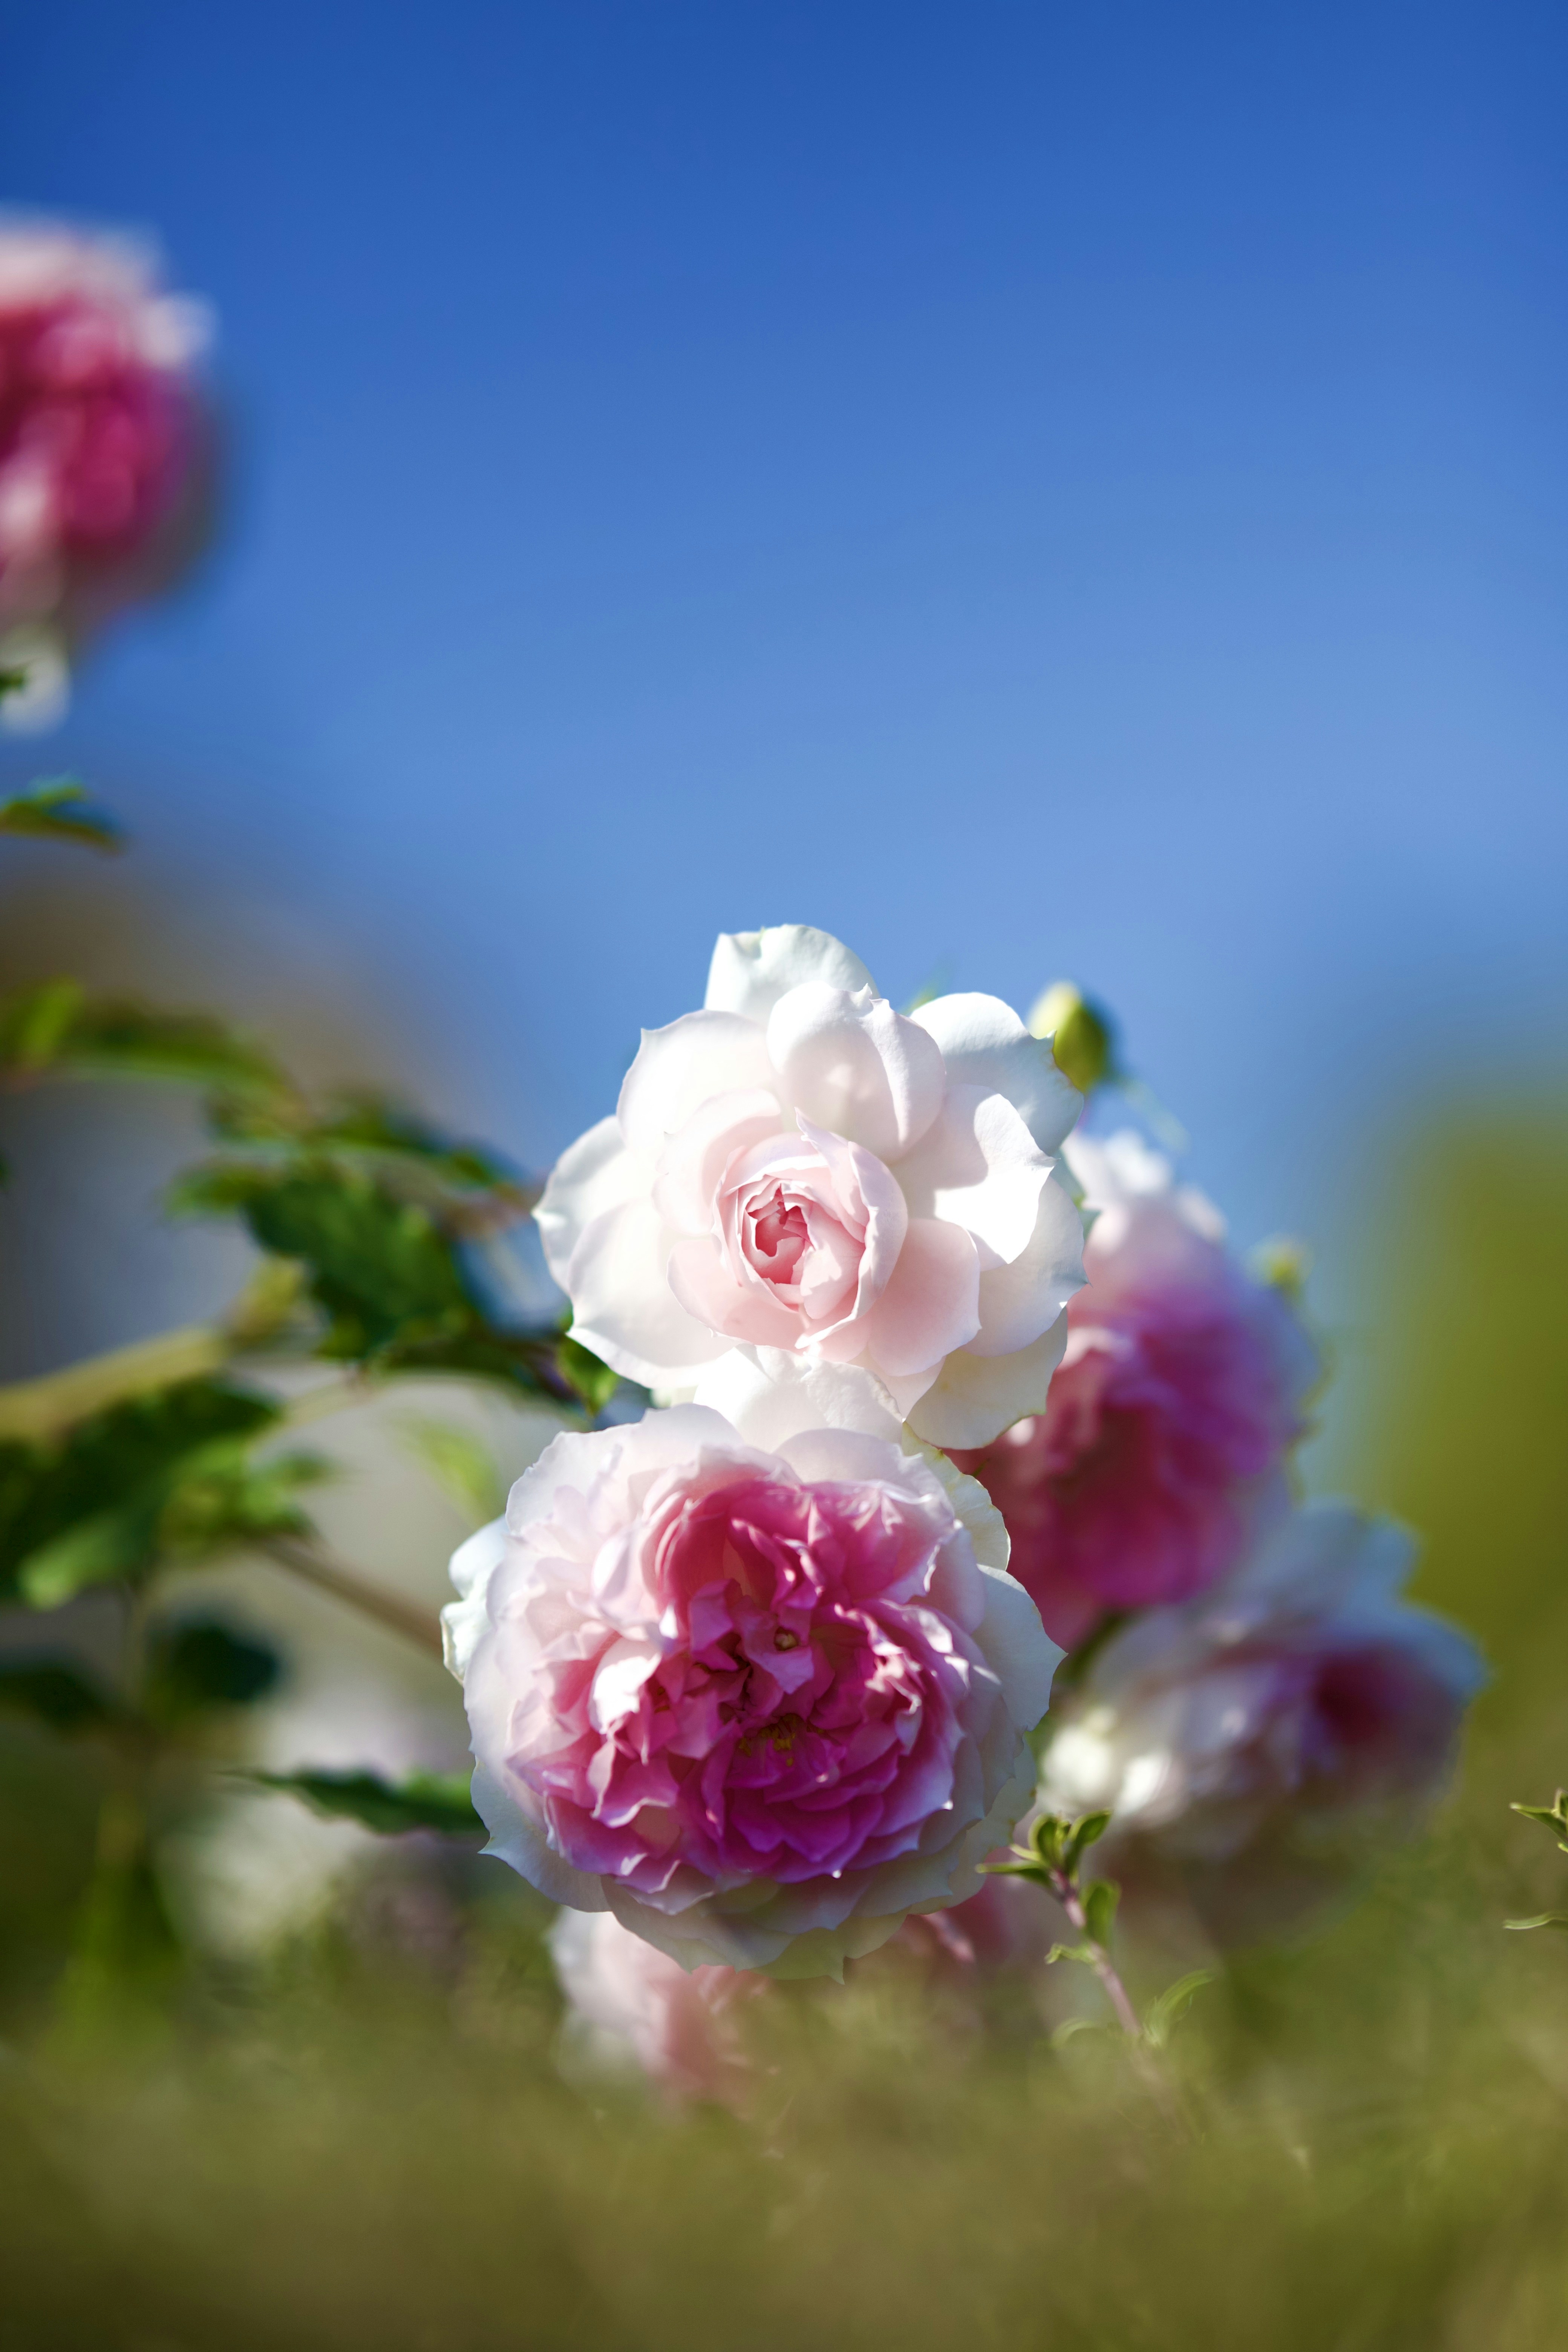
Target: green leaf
[[56, 1025], [55, 1695], [1101, 1899], [1165, 2014], [1542, 1919], [1030, 1869], [379, 1268], [87, 1504], [1553, 1817], [1046, 1839], [581, 1370], [1085, 1833], [221, 1496], [56, 809], [423, 1801], [383, 1271], [1084, 1952], [463, 1466], [201, 1665]]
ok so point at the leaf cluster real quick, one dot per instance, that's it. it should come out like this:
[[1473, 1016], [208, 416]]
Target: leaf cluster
[[166, 1475], [195, 1667], [380, 1211]]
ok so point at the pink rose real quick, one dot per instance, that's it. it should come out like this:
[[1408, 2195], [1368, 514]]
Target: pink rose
[[630, 2004], [800, 1171], [100, 424], [1247, 1740], [1179, 1396], [628, 2001], [759, 1704]]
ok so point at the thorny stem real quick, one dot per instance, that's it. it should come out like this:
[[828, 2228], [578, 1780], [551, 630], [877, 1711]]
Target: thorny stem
[[314, 1566]]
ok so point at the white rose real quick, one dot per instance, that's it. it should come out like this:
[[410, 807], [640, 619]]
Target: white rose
[[801, 1170]]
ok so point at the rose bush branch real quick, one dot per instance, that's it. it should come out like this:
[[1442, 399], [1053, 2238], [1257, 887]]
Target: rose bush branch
[[1053, 1859]]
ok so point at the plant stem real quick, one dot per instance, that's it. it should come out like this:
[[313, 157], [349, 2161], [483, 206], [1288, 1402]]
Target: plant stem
[[1104, 1966], [314, 1566]]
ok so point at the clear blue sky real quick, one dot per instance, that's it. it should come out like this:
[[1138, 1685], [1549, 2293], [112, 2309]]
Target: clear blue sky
[[1031, 489]]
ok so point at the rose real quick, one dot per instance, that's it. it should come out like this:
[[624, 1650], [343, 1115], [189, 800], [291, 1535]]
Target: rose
[[102, 432], [800, 1169], [1251, 1740], [628, 2001], [1178, 1397], [759, 1703]]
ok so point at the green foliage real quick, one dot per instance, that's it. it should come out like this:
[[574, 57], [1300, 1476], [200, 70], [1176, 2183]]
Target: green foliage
[[56, 1027], [589, 1379], [200, 1664], [423, 1800], [384, 1267], [56, 809], [463, 1466], [1099, 1901], [92, 1504], [57, 1694]]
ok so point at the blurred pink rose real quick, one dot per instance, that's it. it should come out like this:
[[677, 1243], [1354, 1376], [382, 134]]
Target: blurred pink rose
[[1248, 1741], [1177, 1400], [101, 429], [759, 1704], [630, 2001], [801, 1170]]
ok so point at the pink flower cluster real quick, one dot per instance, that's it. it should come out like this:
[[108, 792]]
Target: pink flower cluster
[[101, 427], [761, 1704], [1167, 1425]]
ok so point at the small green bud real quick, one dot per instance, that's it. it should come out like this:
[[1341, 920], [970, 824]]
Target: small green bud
[[1284, 1265], [1082, 1034]]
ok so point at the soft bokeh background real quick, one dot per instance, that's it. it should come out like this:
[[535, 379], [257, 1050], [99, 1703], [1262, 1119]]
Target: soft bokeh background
[[1032, 490]]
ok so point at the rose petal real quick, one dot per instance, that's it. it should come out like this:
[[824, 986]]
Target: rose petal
[[625, 1309], [978, 1166], [694, 1160], [680, 1069], [772, 1396], [593, 1175], [974, 1398], [931, 1301], [1017, 1302], [700, 1278], [852, 1065], [984, 1043], [751, 970]]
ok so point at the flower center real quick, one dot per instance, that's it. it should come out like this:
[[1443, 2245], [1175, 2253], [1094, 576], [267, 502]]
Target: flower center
[[778, 1236]]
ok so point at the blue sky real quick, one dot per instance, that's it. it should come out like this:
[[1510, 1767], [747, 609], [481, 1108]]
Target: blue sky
[[1032, 489]]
